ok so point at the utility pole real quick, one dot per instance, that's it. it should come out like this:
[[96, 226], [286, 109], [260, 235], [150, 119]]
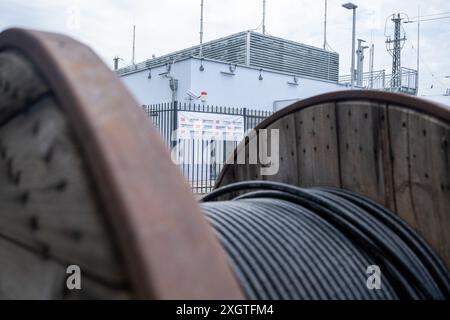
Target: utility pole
[[201, 30], [134, 42], [395, 51], [264, 18], [325, 27], [360, 62]]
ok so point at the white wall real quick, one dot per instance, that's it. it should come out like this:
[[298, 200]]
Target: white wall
[[157, 89], [243, 89]]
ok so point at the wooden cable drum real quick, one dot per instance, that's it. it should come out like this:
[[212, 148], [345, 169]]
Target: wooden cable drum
[[85, 180], [391, 148]]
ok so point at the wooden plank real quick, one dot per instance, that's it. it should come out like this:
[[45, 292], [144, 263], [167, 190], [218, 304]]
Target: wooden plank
[[317, 145], [19, 84], [421, 162], [364, 150], [27, 275], [48, 203], [398, 136], [308, 150], [287, 147], [243, 168]]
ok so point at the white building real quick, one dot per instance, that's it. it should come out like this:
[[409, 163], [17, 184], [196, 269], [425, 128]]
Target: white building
[[247, 69]]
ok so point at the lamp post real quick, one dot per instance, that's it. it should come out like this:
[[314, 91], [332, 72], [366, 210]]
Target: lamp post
[[351, 6]]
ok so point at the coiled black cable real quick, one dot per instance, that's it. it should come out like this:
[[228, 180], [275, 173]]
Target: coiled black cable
[[286, 242]]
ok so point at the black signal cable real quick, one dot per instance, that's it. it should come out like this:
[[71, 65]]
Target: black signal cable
[[286, 242]]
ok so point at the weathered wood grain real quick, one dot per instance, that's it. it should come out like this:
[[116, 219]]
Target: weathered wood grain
[[287, 158], [19, 84], [365, 162], [47, 201], [317, 146], [28, 275], [421, 163]]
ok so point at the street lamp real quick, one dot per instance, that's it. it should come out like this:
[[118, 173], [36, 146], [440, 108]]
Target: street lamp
[[351, 6]]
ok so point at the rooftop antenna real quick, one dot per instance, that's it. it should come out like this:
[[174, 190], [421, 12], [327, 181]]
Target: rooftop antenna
[[372, 50], [201, 30], [134, 42], [116, 62], [360, 62], [264, 18], [325, 26]]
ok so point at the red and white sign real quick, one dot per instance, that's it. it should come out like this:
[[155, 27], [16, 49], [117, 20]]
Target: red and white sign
[[203, 125]]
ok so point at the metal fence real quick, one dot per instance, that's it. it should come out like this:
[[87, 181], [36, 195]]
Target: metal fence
[[379, 80], [202, 158]]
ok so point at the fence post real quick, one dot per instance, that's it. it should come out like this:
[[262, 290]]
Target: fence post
[[244, 113], [174, 123]]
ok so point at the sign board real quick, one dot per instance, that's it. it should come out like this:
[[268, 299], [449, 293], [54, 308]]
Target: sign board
[[203, 125]]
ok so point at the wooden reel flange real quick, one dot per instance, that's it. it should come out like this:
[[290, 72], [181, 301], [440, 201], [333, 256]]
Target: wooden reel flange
[[85, 180], [392, 148]]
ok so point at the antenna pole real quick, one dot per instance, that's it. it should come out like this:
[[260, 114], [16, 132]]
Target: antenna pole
[[325, 27], [134, 42], [372, 49], [360, 62], [201, 30], [264, 18], [418, 48]]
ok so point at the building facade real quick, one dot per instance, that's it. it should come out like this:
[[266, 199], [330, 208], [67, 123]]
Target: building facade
[[246, 69]]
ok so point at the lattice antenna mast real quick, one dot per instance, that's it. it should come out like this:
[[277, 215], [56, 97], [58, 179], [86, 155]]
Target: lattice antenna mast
[[394, 47]]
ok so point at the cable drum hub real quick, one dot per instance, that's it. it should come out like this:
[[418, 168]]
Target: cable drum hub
[[286, 242]]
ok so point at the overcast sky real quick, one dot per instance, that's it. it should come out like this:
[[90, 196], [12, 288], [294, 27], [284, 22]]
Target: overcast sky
[[163, 26]]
